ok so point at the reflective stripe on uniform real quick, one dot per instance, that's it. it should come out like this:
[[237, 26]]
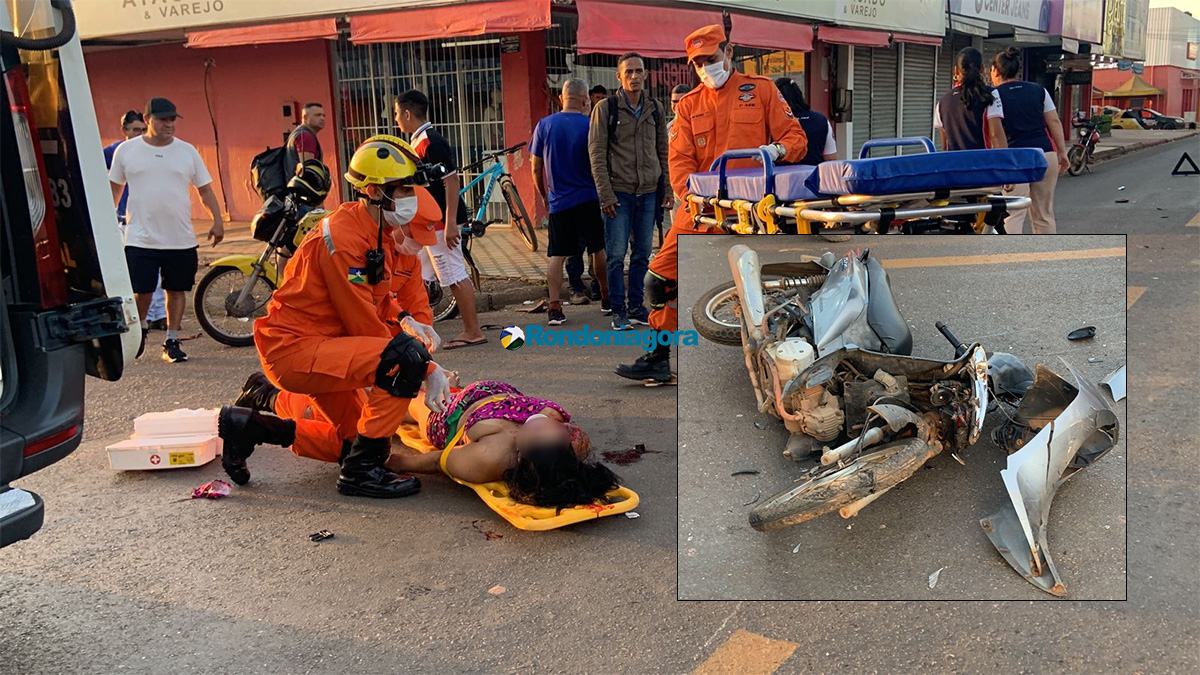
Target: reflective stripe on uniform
[[328, 236]]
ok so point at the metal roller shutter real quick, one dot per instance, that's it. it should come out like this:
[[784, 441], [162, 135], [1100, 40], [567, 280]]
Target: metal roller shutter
[[920, 91], [861, 103], [884, 97], [875, 79]]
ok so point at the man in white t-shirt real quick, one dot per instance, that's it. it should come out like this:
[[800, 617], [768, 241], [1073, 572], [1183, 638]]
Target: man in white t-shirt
[[159, 239]]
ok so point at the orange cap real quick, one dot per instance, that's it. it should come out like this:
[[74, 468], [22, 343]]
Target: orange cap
[[424, 225], [705, 41]]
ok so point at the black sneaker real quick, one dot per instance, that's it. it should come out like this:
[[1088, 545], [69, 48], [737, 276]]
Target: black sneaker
[[654, 366], [605, 307], [172, 353], [639, 317], [556, 317]]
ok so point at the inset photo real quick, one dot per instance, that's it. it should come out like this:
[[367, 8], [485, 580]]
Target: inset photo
[[897, 418]]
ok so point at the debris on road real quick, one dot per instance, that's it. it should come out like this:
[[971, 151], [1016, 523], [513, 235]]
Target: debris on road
[[747, 472], [1122, 201], [632, 514], [213, 489], [534, 307], [760, 425], [1115, 383], [1092, 359], [1121, 188], [797, 549], [756, 496], [626, 457], [1082, 333], [320, 536], [497, 590], [933, 578]]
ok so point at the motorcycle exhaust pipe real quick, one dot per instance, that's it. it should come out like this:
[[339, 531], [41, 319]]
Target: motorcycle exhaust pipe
[[873, 436], [747, 276]]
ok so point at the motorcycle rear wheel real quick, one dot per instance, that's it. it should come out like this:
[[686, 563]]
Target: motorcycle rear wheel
[[1078, 160], [213, 301], [882, 468]]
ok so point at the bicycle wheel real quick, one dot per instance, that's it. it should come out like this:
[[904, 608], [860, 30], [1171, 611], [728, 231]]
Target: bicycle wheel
[[880, 470], [520, 217], [216, 311]]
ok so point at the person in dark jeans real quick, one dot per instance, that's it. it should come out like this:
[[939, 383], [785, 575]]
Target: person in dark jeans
[[562, 173], [303, 144], [627, 144]]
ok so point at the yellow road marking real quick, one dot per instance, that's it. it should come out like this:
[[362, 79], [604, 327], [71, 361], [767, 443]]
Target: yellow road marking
[[747, 653], [1132, 295], [998, 258], [1195, 221]]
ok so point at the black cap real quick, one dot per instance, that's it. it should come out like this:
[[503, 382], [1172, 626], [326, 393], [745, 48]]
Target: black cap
[[160, 108]]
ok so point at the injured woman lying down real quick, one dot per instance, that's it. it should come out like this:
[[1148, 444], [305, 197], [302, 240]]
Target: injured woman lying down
[[490, 431]]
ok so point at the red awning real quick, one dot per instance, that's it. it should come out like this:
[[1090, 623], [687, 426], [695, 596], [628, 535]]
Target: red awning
[[851, 36], [917, 39], [298, 31], [659, 32], [476, 18]]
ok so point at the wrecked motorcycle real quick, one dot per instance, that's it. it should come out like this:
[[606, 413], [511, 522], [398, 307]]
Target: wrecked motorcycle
[[829, 353]]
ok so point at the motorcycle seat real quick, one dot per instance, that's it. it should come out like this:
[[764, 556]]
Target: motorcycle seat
[[882, 313]]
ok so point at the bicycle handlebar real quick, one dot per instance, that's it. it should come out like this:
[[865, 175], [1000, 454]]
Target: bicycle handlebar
[[492, 155]]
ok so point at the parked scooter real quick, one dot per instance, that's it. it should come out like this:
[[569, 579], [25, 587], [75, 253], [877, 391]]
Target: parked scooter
[[829, 354], [1080, 154]]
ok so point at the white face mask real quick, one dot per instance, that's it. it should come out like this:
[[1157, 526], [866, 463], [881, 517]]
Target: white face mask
[[403, 211], [714, 75], [407, 245]]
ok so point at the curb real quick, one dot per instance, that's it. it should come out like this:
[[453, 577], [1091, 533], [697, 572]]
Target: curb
[[491, 302], [1125, 150]]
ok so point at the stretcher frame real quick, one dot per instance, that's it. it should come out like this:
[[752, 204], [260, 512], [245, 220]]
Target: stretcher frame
[[909, 212]]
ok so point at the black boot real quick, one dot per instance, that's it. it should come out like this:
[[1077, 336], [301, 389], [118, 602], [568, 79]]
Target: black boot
[[241, 429], [655, 365], [258, 393], [364, 473]]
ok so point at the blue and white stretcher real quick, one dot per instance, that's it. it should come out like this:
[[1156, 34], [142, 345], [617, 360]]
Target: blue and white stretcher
[[919, 192]]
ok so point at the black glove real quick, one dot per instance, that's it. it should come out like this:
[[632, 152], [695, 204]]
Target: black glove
[[402, 366]]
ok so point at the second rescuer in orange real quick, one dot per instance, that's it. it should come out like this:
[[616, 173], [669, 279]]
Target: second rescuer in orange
[[729, 111], [333, 329]]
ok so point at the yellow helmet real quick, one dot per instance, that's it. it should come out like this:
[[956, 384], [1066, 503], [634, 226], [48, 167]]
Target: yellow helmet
[[385, 159]]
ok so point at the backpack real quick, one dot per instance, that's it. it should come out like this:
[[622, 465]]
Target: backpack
[[267, 172]]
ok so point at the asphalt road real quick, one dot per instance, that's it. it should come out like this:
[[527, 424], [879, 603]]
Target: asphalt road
[[125, 579], [930, 521]]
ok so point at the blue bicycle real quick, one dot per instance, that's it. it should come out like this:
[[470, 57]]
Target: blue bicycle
[[518, 216]]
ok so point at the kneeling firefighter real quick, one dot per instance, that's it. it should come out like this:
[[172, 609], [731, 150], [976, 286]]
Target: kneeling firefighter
[[334, 329]]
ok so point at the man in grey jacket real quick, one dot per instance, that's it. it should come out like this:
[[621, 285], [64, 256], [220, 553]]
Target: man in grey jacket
[[627, 144]]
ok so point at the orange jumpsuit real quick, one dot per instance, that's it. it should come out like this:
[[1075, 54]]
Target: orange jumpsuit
[[326, 328], [745, 113]]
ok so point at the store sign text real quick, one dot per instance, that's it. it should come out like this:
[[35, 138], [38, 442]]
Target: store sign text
[[174, 8], [864, 8], [1016, 9]]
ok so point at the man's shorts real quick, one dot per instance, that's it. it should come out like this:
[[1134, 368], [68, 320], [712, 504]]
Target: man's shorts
[[443, 263], [177, 267], [574, 228]]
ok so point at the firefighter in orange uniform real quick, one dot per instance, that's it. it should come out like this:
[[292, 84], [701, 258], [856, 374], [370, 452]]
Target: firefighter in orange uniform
[[334, 328], [728, 111]]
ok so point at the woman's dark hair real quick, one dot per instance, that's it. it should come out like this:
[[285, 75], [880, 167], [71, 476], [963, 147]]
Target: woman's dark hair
[[1007, 62], [792, 94], [131, 117], [551, 475], [975, 92]]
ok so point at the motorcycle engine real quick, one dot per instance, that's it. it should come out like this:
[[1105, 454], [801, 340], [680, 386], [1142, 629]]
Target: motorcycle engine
[[820, 414]]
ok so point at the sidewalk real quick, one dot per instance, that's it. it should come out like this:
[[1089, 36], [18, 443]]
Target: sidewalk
[[1124, 141]]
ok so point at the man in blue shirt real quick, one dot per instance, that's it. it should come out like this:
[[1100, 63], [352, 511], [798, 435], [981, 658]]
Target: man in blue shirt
[[562, 172], [133, 124]]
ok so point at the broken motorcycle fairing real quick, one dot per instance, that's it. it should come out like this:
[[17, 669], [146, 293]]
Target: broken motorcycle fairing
[[1058, 430]]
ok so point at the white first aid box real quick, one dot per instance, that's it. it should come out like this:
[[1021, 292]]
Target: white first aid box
[[163, 452], [181, 422]]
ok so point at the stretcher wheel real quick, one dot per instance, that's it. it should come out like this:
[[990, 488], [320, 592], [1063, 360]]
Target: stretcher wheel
[[882, 468]]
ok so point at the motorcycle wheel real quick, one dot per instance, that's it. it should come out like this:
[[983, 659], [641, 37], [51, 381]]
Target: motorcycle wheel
[[215, 312], [883, 468], [1078, 160], [441, 301], [714, 317]]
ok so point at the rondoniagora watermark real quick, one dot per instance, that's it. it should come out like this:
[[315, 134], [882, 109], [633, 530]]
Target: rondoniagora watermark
[[585, 336]]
